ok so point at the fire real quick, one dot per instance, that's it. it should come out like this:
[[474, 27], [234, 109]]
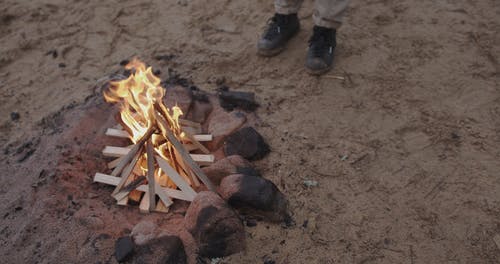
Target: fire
[[137, 96], [158, 164]]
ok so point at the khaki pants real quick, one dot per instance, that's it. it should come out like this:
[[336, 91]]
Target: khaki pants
[[327, 13]]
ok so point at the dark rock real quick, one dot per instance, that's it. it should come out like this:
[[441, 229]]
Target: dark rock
[[250, 222], [234, 164], [166, 57], [175, 79], [216, 228], [254, 196], [124, 248], [62, 65], [229, 100], [52, 52], [14, 116], [178, 96], [246, 142], [165, 249]]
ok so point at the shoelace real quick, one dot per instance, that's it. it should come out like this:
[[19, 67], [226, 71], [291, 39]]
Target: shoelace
[[276, 23], [321, 40]]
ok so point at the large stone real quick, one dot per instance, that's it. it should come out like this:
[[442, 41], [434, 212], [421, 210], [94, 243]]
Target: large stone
[[255, 196], [230, 165], [222, 124], [166, 249], [200, 111], [246, 142], [144, 231], [178, 96], [216, 227], [124, 248]]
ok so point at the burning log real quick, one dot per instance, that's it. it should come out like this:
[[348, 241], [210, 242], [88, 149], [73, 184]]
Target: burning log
[[151, 174], [159, 161]]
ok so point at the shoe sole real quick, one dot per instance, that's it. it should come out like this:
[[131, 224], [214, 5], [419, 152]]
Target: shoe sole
[[270, 53], [318, 72]]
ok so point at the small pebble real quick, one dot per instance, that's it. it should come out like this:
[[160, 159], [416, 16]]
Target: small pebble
[[251, 222], [269, 261], [310, 183], [62, 65], [14, 116]]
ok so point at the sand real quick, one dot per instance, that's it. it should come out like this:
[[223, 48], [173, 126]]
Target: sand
[[402, 136]]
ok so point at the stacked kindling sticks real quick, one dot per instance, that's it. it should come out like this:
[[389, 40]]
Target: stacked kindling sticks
[[134, 169]]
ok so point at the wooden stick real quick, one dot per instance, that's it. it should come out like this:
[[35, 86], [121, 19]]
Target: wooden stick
[[126, 159], [112, 164], [175, 177], [112, 180], [185, 122], [125, 174], [177, 165], [110, 151], [191, 130], [196, 142], [145, 203], [129, 187], [187, 170], [203, 137], [189, 147], [121, 151], [184, 154], [112, 132], [151, 173], [164, 197], [123, 201], [160, 207], [203, 158]]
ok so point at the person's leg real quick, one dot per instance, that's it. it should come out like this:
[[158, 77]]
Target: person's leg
[[287, 7], [329, 13], [328, 16], [282, 27]]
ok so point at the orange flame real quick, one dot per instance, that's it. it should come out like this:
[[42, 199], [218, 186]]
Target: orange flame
[[137, 96]]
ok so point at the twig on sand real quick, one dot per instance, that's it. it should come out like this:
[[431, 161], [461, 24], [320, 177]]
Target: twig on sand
[[324, 174], [335, 77]]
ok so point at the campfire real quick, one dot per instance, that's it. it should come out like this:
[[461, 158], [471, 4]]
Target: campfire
[[158, 163]]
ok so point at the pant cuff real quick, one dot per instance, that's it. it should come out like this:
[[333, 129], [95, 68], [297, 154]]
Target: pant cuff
[[321, 22], [286, 10]]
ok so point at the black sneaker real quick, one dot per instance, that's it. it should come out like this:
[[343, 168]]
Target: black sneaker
[[280, 30], [321, 50]]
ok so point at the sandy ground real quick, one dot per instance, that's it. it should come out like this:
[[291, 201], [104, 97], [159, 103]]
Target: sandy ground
[[406, 148]]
